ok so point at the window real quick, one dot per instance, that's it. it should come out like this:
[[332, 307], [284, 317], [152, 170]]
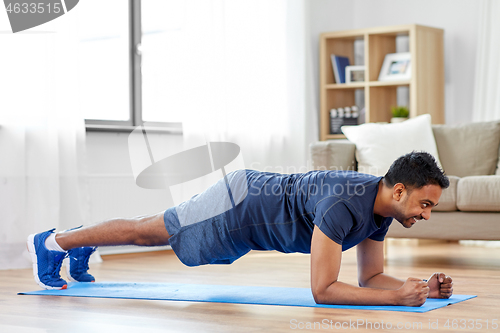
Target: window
[[162, 56], [114, 94], [156, 61]]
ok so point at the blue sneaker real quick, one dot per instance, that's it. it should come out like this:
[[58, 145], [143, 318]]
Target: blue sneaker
[[46, 263], [78, 264]]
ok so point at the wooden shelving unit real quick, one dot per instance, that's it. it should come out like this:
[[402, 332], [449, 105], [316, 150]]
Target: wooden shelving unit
[[426, 86]]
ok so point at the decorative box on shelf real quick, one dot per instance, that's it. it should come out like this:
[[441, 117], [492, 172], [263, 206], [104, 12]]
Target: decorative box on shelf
[[343, 116]]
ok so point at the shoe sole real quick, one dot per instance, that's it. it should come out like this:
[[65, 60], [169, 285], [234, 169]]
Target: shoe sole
[[68, 274], [31, 249]]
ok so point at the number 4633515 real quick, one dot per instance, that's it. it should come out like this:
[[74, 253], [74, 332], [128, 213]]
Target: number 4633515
[[471, 324], [33, 8]]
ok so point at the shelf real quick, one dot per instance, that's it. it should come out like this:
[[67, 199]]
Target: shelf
[[359, 85], [345, 85], [388, 83], [425, 89]]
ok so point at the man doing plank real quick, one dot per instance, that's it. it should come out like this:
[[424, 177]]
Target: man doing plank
[[319, 212]]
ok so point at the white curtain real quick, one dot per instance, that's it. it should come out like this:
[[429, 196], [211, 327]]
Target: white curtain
[[239, 76], [42, 138], [487, 84]]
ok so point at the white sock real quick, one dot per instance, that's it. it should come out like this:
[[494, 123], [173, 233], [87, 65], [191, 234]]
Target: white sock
[[51, 243]]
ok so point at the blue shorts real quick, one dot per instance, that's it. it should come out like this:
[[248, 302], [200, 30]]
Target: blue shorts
[[237, 215], [200, 227], [205, 242]]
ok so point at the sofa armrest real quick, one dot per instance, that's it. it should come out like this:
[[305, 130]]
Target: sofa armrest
[[333, 155]]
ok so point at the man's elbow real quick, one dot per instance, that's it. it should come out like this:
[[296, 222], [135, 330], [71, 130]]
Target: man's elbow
[[363, 283], [318, 294], [322, 296], [318, 297]]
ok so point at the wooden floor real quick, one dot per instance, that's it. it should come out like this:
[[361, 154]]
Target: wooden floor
[[475, 271]]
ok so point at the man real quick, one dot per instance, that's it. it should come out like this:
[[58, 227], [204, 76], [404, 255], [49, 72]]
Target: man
[[319, 212]]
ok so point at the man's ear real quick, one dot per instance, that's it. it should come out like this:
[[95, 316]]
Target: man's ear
[[398, 191]]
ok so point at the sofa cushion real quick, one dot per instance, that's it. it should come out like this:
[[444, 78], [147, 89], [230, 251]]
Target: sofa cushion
[[378, 145], [333, 155], [468, 150], [479, 194], [448, 200]]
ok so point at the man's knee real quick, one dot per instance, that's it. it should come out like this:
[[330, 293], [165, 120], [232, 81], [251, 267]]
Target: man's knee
[[150, 231]]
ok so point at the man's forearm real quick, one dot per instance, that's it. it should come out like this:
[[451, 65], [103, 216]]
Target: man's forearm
[[344, 294], [383, 281]]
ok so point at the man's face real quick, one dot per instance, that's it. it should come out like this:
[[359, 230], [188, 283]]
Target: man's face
[[416, 204]]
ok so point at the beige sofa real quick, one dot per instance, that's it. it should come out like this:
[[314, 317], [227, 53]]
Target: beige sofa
[[470, 208]]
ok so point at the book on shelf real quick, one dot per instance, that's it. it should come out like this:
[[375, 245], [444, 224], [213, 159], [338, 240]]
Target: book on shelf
[[339, 64]]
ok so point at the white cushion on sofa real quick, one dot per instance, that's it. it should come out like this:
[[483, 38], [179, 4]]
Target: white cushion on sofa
[[378, 145]]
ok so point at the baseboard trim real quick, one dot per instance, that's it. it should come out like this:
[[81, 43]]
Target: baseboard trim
[[105, 250]]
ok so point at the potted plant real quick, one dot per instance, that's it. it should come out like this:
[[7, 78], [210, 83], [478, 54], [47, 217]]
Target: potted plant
[[399, 114]]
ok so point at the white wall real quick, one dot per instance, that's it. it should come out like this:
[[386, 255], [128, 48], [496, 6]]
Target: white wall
[[111, 183], [108, 163], [458, 18]]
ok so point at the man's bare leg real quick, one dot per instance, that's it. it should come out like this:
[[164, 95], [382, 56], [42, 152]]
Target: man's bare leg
[[143, 230]]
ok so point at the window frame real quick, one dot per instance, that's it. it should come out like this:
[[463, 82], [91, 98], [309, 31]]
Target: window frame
[[135, 86]]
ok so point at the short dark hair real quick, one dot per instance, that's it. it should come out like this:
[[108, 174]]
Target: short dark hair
[[416, 170]]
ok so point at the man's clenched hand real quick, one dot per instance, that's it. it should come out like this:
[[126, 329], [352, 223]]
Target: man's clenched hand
[[414, 292], [440, 285]]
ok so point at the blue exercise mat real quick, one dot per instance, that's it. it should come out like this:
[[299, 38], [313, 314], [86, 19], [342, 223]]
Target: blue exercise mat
[[223, 294]]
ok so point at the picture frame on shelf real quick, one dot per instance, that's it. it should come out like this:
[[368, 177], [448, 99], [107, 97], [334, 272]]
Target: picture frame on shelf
[[396, 67], [354, 74]]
